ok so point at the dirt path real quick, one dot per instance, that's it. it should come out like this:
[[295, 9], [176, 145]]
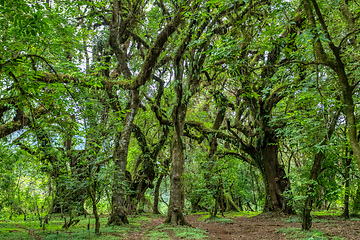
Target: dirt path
[[244, 228], [260, 227], [333, 226], [267, 227]]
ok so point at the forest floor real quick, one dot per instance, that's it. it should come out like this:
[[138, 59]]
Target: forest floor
[[235, 225]]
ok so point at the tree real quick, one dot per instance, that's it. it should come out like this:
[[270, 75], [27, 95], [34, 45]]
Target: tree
[[108, 96], [335, 59]]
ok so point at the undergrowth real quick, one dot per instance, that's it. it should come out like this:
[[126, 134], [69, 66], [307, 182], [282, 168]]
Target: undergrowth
[[327, 213], [206, 216], [165, 231], [297, 233]]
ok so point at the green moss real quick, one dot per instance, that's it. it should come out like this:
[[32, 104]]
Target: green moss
[[54, 231], [190, 233], [139, 221], [242, 214], [198, 213], [5, 230], [230, 215], [72, 235], [204, 217], [179, 231], [75, 234], [327, 213]]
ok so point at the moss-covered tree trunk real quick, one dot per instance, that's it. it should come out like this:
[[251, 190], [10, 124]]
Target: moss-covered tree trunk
[[175, 210], [347, 166], [118, 209], [216, 187], [314, 173], [309, 200], [274, 177], [92, 189], [335, 61], [144, 173], [184, 90], [157, 194]]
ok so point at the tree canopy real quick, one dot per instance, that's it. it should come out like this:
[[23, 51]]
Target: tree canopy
[[177, 106]]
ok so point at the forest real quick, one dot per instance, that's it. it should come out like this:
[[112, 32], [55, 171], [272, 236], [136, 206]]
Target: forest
[[179, 119]]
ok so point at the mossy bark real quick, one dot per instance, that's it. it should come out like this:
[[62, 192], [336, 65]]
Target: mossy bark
[[309, 200], [275, 180], [120, 183], [175, 210], [156, 195]]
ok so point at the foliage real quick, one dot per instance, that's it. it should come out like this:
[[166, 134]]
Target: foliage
[[227, 105]]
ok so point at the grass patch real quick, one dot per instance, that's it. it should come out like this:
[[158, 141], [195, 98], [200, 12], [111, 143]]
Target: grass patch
[[241, 214], [138, 221], [190, 233], [165, 230], [327, 213], [204, 217], [199, 213], [16, 235], [221, 220], [296, 233], [20, 230], [7, 225], [322, 220], [293, 219], [141, 218], [107, 233], [230, 215], [208, 218], [122, 230]]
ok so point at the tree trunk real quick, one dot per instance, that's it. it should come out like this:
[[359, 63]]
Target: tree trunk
[[156, 194], [314, 173], [338, 66], [118, 209], [92, 193], [138, 188], [144, 173], [315, 170], [231, 205], [253, 187], [216, 187], [347, 90], [184, 92], [346, 214], [356, 208], [275, 180], [175, 211]]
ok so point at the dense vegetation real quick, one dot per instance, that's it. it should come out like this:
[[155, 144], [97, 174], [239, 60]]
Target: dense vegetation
[[171, 107]]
